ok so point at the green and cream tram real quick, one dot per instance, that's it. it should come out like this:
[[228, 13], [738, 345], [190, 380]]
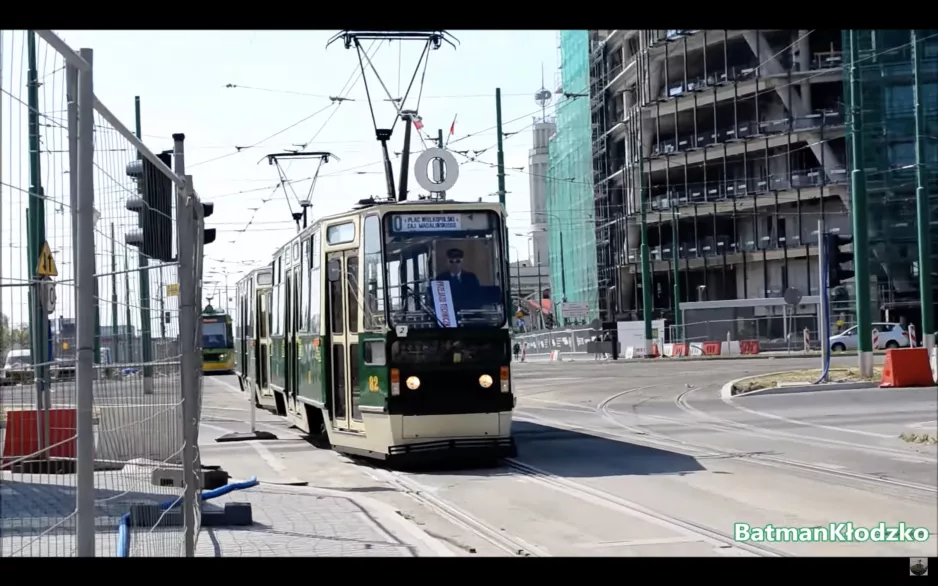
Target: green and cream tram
[[388, 331]]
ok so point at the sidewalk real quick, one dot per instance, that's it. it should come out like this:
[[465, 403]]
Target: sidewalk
[[301, 521], [325, 520]]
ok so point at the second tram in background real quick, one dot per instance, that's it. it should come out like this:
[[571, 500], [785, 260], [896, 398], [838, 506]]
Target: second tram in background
[[218, 350], [385, 331]]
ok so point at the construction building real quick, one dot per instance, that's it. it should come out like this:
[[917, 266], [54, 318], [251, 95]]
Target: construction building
[[736, 140], [570, 211], [887, 131]]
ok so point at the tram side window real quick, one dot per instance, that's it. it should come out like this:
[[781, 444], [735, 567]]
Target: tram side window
[[315, 287], [303, 272], [315, 300], [374, 275]]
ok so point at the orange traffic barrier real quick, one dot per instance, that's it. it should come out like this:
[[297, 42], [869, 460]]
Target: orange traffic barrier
[[749, 346], [654, 351], [21, 438], [907, 367], [712, 348], [679, 350]]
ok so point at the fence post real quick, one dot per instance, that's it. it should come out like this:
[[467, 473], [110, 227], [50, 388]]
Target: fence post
[[188, 330], [85, 316]]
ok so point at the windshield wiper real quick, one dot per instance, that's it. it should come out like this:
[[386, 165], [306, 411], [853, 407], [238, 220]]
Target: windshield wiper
[[413, 295]]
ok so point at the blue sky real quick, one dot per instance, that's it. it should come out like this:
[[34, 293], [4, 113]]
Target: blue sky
[[181, 78]]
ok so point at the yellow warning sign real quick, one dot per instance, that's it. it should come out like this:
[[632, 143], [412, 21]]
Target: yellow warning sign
[[46, 265], [172, 290]]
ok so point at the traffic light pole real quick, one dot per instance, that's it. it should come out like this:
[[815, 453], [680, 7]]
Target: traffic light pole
[[146, 342], [115, 330], [923, 219], [861, 241], [823, 306]]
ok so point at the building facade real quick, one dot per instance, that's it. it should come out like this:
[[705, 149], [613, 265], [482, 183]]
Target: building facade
[[570, 183], [733, 141]]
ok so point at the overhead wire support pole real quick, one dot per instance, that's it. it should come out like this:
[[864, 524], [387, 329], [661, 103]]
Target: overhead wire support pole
[[858, 201], [923, 213]]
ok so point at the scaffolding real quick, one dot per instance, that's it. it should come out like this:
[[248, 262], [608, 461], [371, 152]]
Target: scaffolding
[[739, 139], [569, 202], [888, 129]]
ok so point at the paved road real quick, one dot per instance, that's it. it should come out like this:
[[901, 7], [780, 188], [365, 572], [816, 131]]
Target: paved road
[[644, 458]]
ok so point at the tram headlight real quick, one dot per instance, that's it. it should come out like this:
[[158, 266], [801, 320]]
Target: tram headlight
[[485, 381], [413, 383]]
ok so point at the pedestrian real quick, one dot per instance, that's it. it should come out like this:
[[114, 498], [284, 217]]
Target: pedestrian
[[517, 351], [524, 351], [597, 342]]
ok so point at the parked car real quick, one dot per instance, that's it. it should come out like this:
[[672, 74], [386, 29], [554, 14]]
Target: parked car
[[890, 336], [18, 368]]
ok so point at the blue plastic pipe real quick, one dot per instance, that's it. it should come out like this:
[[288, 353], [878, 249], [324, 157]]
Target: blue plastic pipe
[[123, 528]]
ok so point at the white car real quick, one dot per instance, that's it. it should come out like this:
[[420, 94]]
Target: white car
[[890, 336]]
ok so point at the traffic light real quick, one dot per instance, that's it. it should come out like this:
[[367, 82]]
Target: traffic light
[[836, 257], [154, 206], [209, 233]]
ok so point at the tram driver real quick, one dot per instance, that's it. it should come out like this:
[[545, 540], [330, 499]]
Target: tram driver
[[464, 285]]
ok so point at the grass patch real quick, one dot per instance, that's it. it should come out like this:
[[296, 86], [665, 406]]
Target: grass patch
[[919, 438], [835, 375]]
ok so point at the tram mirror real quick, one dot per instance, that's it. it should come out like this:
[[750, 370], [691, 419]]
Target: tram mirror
[[334, 270]]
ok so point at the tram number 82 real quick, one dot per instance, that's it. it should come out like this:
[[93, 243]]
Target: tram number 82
[[373, 385]]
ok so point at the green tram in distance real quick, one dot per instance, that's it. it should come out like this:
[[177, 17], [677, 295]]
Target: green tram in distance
[[384, 331], [218, 349]]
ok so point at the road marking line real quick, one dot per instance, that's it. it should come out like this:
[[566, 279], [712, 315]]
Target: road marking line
[[735, 405], [826, 465], [634, 542], [924, 425], [550, 402], [910, 460]]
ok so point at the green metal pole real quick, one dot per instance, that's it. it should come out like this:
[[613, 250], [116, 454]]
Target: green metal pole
[[501, 152], [677, 276], [114, 323], [146, 349], [923, 218], [646, 261], [861, 243], [36, 231]]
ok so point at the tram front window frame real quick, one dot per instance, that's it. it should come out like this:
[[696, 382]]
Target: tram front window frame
[[420, 248]]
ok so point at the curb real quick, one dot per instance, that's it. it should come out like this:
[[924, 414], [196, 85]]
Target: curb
[[384, 515], [726, 392], [846, 386]]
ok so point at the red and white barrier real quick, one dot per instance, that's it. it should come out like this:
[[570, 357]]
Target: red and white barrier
[[875, 339]]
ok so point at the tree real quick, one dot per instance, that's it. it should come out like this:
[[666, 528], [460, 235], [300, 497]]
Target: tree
[[11, 338]]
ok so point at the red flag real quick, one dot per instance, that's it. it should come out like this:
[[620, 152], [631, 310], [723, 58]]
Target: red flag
[[418, 123], [452, 127]]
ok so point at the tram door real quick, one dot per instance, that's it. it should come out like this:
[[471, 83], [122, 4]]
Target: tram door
[[344, 309], [290, 338]]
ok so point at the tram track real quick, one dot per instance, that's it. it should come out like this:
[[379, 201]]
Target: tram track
[[512, 545], [909, 490]]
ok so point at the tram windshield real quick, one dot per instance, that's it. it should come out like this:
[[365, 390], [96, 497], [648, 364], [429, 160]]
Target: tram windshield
[[215, 334], [444, 270]]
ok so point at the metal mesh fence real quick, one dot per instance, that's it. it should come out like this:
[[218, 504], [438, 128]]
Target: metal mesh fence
[[101, 394]]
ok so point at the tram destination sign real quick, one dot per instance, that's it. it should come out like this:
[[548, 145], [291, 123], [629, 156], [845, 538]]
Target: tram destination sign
[[427, 222]]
